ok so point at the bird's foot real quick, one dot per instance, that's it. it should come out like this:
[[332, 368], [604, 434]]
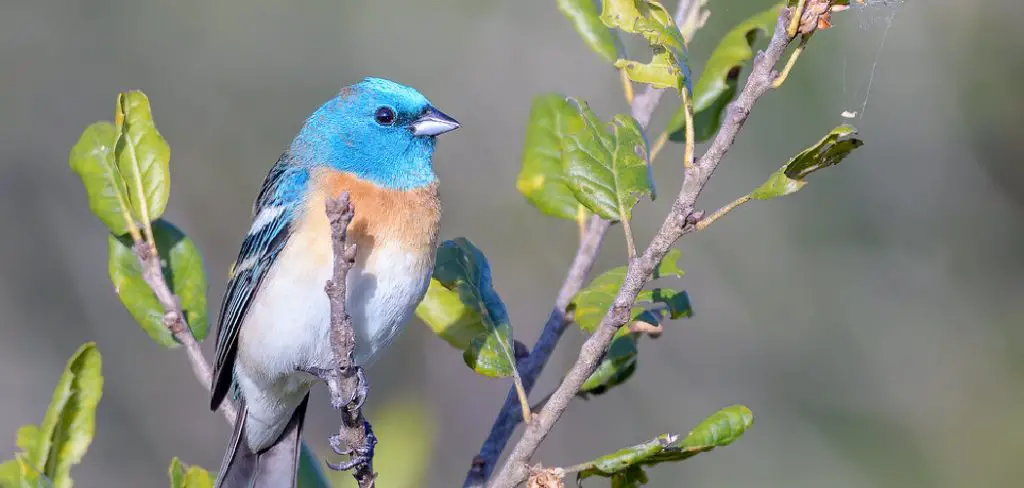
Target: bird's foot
[[358, 396], [358, 456]]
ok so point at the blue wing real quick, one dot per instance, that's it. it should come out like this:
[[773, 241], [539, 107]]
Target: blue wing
[[273, 212]]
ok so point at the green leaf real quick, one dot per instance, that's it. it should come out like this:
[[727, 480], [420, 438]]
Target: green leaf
[[648, 18], [28, 438], [829, 151], [541, 179], [462, 272], [624, 459], [592, 303], [617, 366], [183, 270], [585, 19], [718, 82], [183, 476], [632, 477], [10, 473], [720, 429], [70, 420], [608, 173], [92, 158], [142, 155]]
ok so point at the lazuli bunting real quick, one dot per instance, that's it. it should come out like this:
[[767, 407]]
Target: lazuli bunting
[[374, 140]]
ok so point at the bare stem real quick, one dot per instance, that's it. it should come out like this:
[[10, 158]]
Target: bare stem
[[794, 21], [703, 223], [688, 113], [355, 436], [680, 220], [174, 319], [792, 61]]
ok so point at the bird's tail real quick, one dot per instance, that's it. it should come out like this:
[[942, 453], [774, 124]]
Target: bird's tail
[[274, 467]]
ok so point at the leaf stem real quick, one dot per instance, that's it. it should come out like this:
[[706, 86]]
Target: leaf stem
[[688, 112], [137, 175], [627, 85], [626, 229], [792, 61], [705, 222], [659, 143], [794, 21]]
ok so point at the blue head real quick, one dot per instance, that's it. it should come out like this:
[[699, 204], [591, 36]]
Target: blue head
[[378, 130]]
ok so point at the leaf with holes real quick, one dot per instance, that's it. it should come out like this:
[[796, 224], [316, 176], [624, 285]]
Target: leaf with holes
[[142, 156], [607, 171], [668, 67], [717, 84], [92, 158], [829, 151], [541, 179], [183, 269], [585, 19]]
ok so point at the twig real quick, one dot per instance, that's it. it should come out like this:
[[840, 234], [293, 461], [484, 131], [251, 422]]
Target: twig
[[680, 220], [792, 60], [174, 320], [705, 222], [346, 383], [642, 109]]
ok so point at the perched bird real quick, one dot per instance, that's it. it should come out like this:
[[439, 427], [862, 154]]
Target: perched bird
[[374, 140]]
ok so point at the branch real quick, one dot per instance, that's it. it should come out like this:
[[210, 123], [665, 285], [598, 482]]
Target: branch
[[174, 320], [642, 108], [346, 382], [681, 220]]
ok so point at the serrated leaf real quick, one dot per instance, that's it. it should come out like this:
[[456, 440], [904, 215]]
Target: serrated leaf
[[587, 22], [70, 421], [592, 303], [617, 366], [92, 158], [183, 270], [541, 179], [829, 151], [717, 84], [648, 18], [142, 156], [608, 172], [463, 272], [622, 460], [183, 476]]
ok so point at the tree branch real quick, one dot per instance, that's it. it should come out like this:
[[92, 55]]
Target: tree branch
[[174, 319], [346, 382], [642, 108], [681, 220]]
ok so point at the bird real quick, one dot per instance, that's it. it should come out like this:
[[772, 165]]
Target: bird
[[375, 140]]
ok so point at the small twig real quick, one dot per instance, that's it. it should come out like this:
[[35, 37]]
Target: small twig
[[627, 86], [658, 145], [794, 20], [779, 80], [703, 223], [174, 319], [688, 112], [676, 224], [346, 383]]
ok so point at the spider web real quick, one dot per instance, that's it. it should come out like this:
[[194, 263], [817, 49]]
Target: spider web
[[874, 18]]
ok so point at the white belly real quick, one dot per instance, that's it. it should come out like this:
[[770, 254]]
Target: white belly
[[287, 328]]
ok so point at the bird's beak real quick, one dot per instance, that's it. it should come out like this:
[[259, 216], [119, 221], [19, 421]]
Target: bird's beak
[[433, 122]]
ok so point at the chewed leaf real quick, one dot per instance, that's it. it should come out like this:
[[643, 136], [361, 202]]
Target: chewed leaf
[[541, 179], [463, 274], [717, 84], [92, 158], [142, 156], [608, 172], [648, 18], [829, 151], [585, 19], [183, 270]]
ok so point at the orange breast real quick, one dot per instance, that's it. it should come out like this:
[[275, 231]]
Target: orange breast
[[409, 219]]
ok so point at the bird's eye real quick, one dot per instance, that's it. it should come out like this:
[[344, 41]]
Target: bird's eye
[[385, 116]]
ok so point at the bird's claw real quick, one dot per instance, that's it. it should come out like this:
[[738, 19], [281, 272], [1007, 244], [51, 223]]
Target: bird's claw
[[359, 456], [358, 396]]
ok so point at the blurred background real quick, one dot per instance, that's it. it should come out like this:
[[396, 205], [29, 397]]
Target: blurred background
[[872, 322]]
